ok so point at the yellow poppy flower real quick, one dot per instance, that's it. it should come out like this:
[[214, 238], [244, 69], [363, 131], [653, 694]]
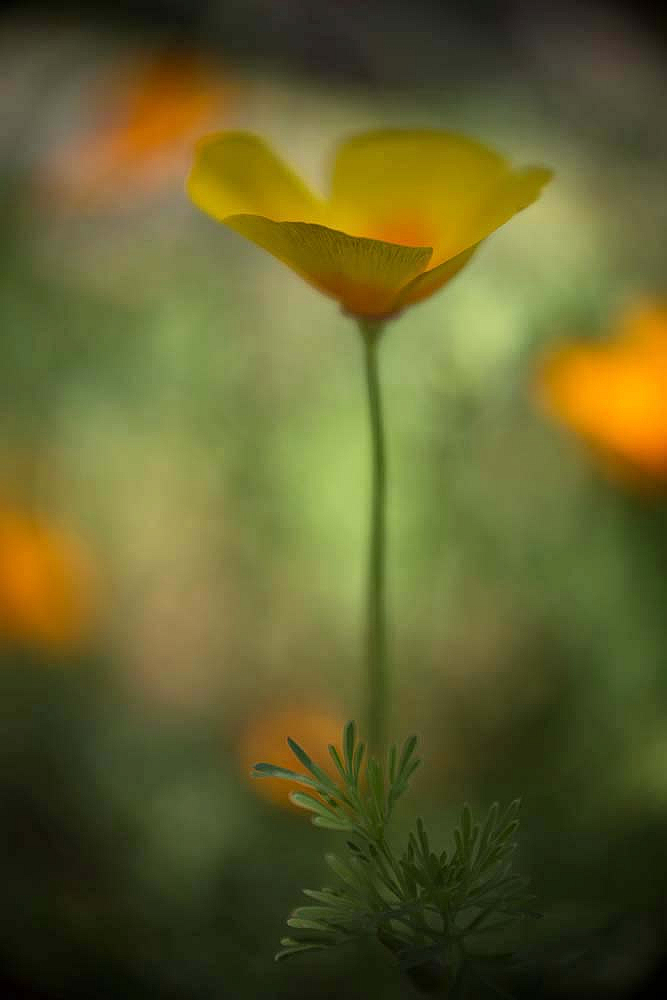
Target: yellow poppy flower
[[614, 393], [46, 585], [265, 739], [406, 211]]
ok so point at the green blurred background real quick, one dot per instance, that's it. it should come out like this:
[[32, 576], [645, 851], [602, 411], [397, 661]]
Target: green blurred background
[[184, 486]]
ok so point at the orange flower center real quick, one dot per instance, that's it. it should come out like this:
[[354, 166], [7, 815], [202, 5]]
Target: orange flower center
[[406, 231]]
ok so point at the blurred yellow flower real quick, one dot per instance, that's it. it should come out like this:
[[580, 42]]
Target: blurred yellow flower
[[407, 210], [148, 117], [614, 393], [265, 739], [46, 585]]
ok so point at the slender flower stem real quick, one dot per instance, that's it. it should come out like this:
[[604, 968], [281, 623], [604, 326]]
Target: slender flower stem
[[376, 640]]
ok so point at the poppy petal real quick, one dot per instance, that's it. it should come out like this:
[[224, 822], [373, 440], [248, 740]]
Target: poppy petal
[[364, 275], [517, 190], [424, 285], [236, 172], [413, 186]]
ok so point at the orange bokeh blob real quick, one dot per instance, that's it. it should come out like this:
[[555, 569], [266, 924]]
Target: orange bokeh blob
[[265, 739], [46, 585], [613, 393], [148, 116]]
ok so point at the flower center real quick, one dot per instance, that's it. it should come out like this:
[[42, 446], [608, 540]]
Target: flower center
[[406, 231]]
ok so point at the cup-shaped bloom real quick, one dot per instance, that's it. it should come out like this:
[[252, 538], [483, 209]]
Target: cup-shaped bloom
[[613, 393], [406, 210]]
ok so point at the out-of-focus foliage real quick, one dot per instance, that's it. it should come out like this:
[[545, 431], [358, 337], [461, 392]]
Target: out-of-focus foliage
[[194, 415], [428, 909]]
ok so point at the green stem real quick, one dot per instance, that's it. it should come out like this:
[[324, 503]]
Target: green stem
[[376, 643]]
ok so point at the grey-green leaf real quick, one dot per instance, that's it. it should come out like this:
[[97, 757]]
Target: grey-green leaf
[[263, 770]]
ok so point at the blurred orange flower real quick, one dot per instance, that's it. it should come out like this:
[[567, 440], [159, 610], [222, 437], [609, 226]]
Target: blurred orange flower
[[46, 585], [265, 739], [148, 118], [406, 211], [614, 393]]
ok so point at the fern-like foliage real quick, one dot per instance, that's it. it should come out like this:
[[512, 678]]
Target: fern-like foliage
[[427, 908]]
